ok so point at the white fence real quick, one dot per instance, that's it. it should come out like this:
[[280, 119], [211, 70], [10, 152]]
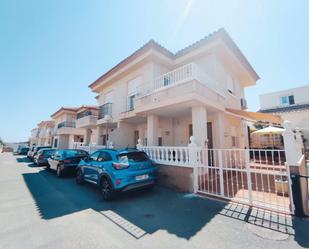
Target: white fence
[[255, 177], [176, 156]]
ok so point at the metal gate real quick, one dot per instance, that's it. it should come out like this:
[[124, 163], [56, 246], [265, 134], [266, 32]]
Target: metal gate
[[258, 178]]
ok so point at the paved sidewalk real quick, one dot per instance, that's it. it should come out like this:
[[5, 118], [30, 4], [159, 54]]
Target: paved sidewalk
[[38, 210]]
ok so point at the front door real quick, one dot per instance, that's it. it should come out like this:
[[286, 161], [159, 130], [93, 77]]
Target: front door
[[209, 135]]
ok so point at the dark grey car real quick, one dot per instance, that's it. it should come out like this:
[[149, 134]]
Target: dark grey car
[[42, 155]]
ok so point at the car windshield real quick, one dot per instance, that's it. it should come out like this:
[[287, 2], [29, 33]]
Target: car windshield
[[75, 153], [133, 157]]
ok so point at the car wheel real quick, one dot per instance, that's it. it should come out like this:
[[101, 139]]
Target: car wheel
[[107, 189], [59, 171], [79, 177]]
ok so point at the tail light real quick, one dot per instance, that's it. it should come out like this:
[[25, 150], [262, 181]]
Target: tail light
[[66, 161], [119, 166], [41, 156]]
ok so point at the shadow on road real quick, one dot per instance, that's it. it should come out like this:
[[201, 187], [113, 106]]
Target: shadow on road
[[144, 212]]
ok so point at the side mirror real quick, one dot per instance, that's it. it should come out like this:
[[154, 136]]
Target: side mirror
[[86, 158]]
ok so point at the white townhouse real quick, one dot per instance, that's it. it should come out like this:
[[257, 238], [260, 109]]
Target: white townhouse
[[65, 132], [291, 104], [42, 135], [34, 137], [163, 98]]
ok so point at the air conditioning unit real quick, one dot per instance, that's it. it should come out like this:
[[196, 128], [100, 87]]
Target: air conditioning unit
[[243, 103]]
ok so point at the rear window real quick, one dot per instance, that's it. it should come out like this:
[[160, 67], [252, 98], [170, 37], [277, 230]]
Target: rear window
[[74, 153], [48, 152], [133, 157]]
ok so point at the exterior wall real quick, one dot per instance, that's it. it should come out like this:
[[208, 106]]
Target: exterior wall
[[119, 87], [299, 119], [177, 178], [215, 73], [272, 100]]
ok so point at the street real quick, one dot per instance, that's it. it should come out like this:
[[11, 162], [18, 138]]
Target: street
[[39, 210]]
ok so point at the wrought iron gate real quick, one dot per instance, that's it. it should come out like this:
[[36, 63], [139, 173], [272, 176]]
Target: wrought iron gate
[[258, 178]]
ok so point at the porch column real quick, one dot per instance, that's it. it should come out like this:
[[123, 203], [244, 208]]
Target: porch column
[[199, 125], [98, 135], [152, 130], [71, 141], [87, 136], [219, 134]]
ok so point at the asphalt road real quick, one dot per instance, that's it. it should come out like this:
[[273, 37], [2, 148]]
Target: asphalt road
[[38, 210]]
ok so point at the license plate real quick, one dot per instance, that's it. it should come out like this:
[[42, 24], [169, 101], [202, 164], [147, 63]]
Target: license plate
[[141, 177]]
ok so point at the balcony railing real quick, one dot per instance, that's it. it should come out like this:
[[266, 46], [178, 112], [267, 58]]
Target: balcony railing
[[105, 110], [176, 76], [84, 114], [180, 75], [70, 124]]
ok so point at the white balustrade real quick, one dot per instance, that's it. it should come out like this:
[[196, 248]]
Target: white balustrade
[[177, 76], [176, 156]]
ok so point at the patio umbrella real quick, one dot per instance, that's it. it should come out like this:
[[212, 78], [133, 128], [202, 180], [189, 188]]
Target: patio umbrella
[[269, 130]]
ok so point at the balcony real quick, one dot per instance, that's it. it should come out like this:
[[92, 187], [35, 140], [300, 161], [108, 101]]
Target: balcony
[[175, 77], [105, 111], [184, 84], [68, 128], [70, 124], [86, 121]]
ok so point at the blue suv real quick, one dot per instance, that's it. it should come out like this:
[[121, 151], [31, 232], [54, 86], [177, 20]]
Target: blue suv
[[117, 171]]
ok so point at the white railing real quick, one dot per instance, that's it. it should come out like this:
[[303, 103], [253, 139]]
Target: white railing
[[180, 75], [255, 177], [176, 156], [174, 77]]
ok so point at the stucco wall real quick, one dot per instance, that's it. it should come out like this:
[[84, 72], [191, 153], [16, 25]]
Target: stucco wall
[[272, 100], [177, 178]]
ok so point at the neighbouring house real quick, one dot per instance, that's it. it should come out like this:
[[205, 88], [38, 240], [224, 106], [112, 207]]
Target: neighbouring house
[[45, 134], [163, 98], [291, 104], [34, 137], [65, 132], [42, 135], [86, 119]]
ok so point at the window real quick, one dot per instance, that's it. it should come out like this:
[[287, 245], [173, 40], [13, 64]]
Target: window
[[287, 100], [231, 86], [133, 89], [159, 141], [94, 156], [108, 97], [104, 157], [131, 102], [133, 157], [75, 153]]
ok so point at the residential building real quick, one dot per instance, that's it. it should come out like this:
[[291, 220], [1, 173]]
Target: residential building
[[292, 105], [86, 118], [163, 98], [45, 134], [65, 132], [34, 137]]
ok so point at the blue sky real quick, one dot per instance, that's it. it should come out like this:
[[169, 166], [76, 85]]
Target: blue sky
[[50, 51]]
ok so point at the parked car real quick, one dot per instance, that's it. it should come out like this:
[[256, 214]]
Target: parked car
[[23, 151], [66, 160], [41, 157], [35, 150], [30, 152], [117, 171], [7, 149]]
